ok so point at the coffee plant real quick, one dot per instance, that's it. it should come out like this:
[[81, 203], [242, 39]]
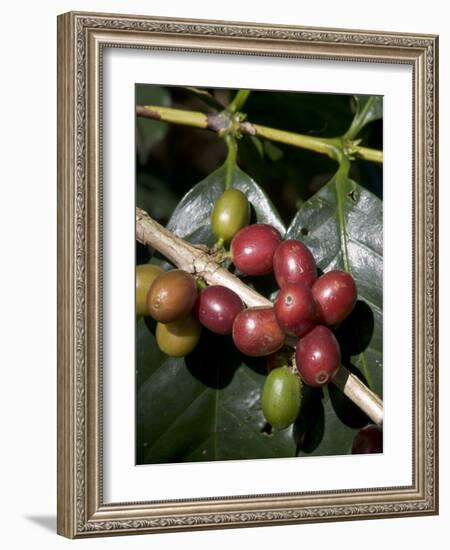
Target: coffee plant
[[259, 334]]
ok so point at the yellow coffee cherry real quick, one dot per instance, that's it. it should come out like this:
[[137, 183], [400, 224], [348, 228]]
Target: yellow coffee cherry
[[178, 338], [145, 275]]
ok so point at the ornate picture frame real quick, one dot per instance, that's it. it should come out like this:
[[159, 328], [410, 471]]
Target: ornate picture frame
[[82, 37]]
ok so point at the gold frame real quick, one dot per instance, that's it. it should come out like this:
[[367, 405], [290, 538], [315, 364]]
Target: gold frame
[[81, 38]]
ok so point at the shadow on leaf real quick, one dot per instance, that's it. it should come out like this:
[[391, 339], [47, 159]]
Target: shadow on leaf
[[348, 413], [355, 333], [214, 361], [309, 428], [256, 364], [265, 284]]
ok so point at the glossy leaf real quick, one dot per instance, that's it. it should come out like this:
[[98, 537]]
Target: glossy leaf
[[368, 109], [193, 212], [333, 228], [207, 98], [207, 405], [203, 407]]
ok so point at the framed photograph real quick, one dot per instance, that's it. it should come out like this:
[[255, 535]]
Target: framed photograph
[[247, 284]]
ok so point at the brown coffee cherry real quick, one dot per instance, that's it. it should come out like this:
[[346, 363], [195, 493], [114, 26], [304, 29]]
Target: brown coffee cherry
[[256, 332], [295, 309], [172, 296], [293, 263], [335, 294], [145, 275], [253, 247], [318, 356], [180, 337], [217, 308]]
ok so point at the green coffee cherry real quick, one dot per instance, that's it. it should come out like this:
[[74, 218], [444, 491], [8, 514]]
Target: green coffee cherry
[[145, 275], [231, 212], [179, 338], [281, 398]]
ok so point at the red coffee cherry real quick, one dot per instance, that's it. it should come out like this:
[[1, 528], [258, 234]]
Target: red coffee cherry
[[335, 294], [253, 247], [217, 307], [368, 440], [293, 263], [295, 309], [256, 332], [318, 356]]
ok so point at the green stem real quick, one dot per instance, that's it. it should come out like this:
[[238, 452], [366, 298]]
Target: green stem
[[341, 178], [176, 116], [325, 146], [230, 162], [328, 146], [201, 284], [369, 154], [219, 244], [238, 101]]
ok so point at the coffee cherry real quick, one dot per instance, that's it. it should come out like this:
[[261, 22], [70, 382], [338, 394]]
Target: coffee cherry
[[178, 338], [172, 296], [217, 307], [293, 263], [281, 398], [231, 212], [256, 332], [335, 294], [295, 309], [368, 440], [145, 275], [318, 356], [252, 249]]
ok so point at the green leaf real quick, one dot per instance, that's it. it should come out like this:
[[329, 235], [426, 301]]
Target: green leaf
[[193, 212], [368, 109], [272, 151], [150, 132], [203, 407], [207, 98], [154, 196], [256, 141], [333, 224]]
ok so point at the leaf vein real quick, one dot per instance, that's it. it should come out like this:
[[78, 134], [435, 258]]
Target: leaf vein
[[366, 247]]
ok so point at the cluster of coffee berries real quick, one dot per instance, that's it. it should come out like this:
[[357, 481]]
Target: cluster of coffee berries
[[305, 307], [169, 297]]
